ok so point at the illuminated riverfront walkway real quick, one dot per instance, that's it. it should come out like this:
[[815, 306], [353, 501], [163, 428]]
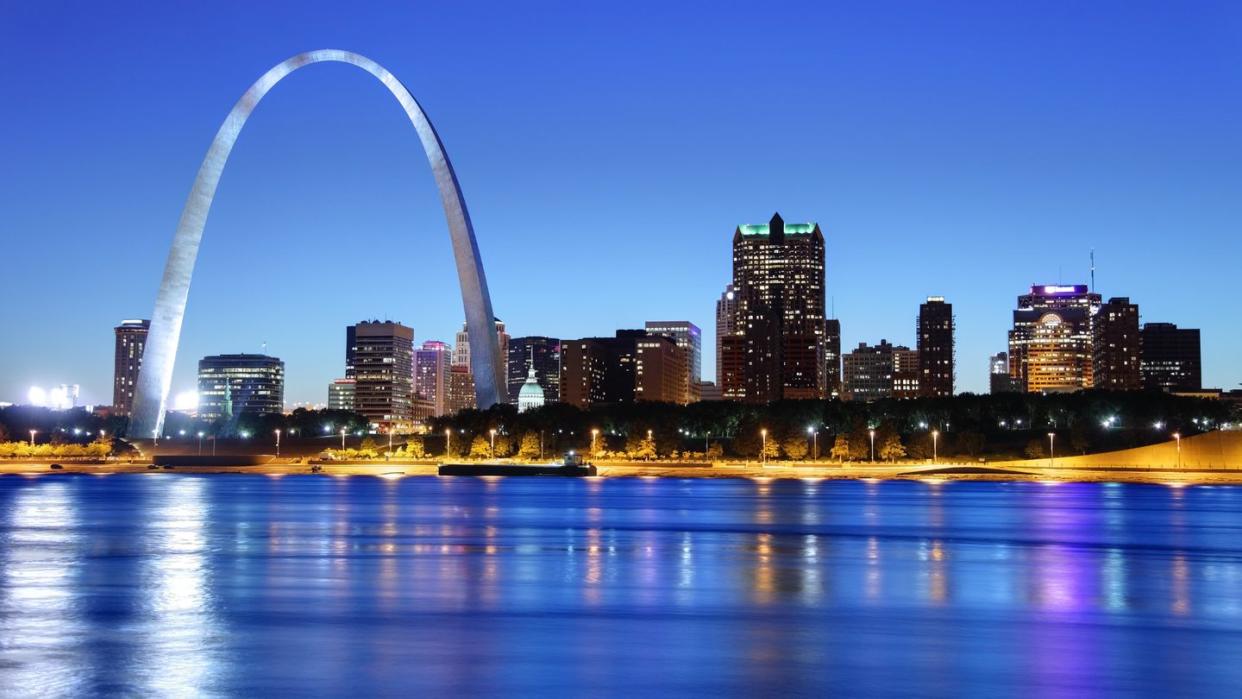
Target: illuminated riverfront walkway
[[1213, 457]]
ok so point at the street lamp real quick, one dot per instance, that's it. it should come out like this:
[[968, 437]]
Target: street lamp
[[390, 440], [200, 443], [814, 442], [493, 433], [32, 434], [278, 443], [935, 442], [1052, 451], [763, 453], [707, 438], [1178, 437], [594, 434], [448, 441], [872, 433], [342, 439]]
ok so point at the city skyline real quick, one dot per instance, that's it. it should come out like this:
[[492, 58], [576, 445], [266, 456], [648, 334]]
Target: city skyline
[[126, 225]]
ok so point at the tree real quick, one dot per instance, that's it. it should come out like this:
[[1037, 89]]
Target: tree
[[891, 448], [795, 446], [1080, 441], [772, 450], [1035, 449], [504, 445], [920, 445], [970, 443], [414, 448], [529, 447], [639, 446], [840, 448], [480, 448]]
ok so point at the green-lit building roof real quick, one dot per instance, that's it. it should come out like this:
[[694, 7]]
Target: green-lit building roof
[[790, 228]]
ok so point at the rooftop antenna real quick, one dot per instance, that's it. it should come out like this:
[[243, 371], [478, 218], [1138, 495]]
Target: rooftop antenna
[[834, 307], [1093, 270], [264, 346]]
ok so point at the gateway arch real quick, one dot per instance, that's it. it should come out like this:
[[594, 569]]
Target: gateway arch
[[155, 375]]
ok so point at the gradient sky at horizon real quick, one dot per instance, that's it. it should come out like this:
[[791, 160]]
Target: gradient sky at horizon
[[607, 153]]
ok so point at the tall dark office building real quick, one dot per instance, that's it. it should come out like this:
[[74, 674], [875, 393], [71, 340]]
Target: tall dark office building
[[778, 284], [935, 347], [131, 340], [1116, 346], [599, 370], [379, 357], [236, 384], [832, 358], [544, 353], [1170, 358]]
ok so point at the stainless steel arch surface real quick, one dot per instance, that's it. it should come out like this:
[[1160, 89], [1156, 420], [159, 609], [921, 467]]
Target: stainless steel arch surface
[[155, 376]]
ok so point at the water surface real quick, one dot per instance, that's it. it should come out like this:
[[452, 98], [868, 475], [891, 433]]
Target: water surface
[[167, 584]]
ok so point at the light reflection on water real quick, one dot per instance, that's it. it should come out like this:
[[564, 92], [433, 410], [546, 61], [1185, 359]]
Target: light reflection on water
[[238, 585]]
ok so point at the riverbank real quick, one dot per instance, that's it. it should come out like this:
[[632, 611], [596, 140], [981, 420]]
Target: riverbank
[[861, 471]]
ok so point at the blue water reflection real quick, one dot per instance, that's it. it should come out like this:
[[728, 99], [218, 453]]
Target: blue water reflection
[[251, 585]]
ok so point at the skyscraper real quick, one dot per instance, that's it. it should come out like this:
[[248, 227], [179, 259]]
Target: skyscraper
[[236, 384], [1050, 345], [544, 353], [778, 283], [869, 371], [690, 341], [660, 370], [461, 377], [907, 377], [600, 370], [1116, 346], [935, 347], [131, 340], [999, 380], [379, 357], [1171, 359], [726, 325], [341, 394], [431, 375], [832, 358]]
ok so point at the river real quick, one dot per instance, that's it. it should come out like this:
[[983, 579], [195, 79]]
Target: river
[[241, 585]]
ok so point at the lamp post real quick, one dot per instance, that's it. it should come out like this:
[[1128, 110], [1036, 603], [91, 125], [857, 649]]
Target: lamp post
[[1178, 437], [935, 443], [278, 443], [32, 434], [763, 452], [390, 440], [342, 439], [872, 433], [1052, 448], [492, 432], [448, 442], [814, 442], [200, 442], [707, 446], [594, 434], [649, 439]]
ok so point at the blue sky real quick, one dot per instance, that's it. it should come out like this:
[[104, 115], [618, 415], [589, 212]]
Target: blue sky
[[607, 152]]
